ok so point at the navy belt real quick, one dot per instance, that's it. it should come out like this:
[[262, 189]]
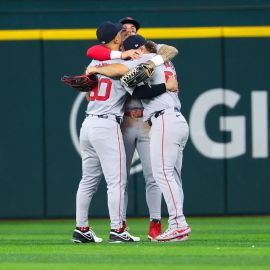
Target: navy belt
[[118, 119], [157, 114]]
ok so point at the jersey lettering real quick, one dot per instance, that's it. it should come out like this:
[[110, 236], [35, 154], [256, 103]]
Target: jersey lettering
[[168, 74]]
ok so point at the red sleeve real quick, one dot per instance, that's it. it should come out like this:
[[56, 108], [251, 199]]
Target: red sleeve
[[98, 52]]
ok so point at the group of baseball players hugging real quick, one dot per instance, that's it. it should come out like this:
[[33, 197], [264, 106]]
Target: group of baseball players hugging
[[120, 119]]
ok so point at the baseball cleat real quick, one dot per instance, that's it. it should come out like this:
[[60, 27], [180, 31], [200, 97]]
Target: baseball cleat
[[85, 237], [155, 229], [122, 236], [178, 239], [170, 234]]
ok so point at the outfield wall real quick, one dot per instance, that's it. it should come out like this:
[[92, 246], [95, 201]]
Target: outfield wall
[[223, 69]]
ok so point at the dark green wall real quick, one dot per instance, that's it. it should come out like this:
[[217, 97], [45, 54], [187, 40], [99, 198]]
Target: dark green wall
[[52, 14], [22, 135], [39, 166]]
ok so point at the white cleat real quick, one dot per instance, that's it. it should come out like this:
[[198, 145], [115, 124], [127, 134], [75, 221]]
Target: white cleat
[[174, 234], [179, 239], [85, 237], [122, 237]]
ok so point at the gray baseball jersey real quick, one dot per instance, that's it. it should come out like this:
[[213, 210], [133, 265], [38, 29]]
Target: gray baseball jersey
[[161, 74], [134, 103], [110, 95]]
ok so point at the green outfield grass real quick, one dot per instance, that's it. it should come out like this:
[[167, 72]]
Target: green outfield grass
[[215, 243]]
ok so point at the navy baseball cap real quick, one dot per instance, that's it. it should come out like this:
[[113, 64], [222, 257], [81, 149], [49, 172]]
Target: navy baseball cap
[[130, 20], [107, 31], [134, 42]]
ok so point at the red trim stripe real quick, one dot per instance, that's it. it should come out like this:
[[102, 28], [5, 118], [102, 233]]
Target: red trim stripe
[[120, 179], [163, 168]]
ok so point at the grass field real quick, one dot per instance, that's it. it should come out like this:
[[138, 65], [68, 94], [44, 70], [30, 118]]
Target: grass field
[[215, 243]]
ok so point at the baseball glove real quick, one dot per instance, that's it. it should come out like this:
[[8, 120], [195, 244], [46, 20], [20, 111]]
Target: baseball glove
[[82, 83], [138, 74]]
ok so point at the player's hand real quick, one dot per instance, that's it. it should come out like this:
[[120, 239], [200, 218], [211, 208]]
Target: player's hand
[[90, 70], [172, 84], [87, 96], [131, 54]]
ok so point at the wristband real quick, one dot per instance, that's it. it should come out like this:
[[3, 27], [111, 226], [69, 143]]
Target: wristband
[[116, 54], [157, 60]]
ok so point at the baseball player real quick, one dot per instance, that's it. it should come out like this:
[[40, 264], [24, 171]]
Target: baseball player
[[135, 130], [102, 148], [168, 137]]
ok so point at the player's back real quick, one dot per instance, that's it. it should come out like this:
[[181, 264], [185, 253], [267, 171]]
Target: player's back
[[109, 96]]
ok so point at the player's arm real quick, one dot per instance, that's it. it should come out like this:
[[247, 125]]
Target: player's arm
[[141, 92], [147, 92], [164, 54], [101, 53], [115, 70], [167, 52], [112, 70]]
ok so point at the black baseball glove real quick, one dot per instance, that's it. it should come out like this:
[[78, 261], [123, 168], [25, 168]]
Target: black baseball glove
[[82, 83], [138, 74]]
